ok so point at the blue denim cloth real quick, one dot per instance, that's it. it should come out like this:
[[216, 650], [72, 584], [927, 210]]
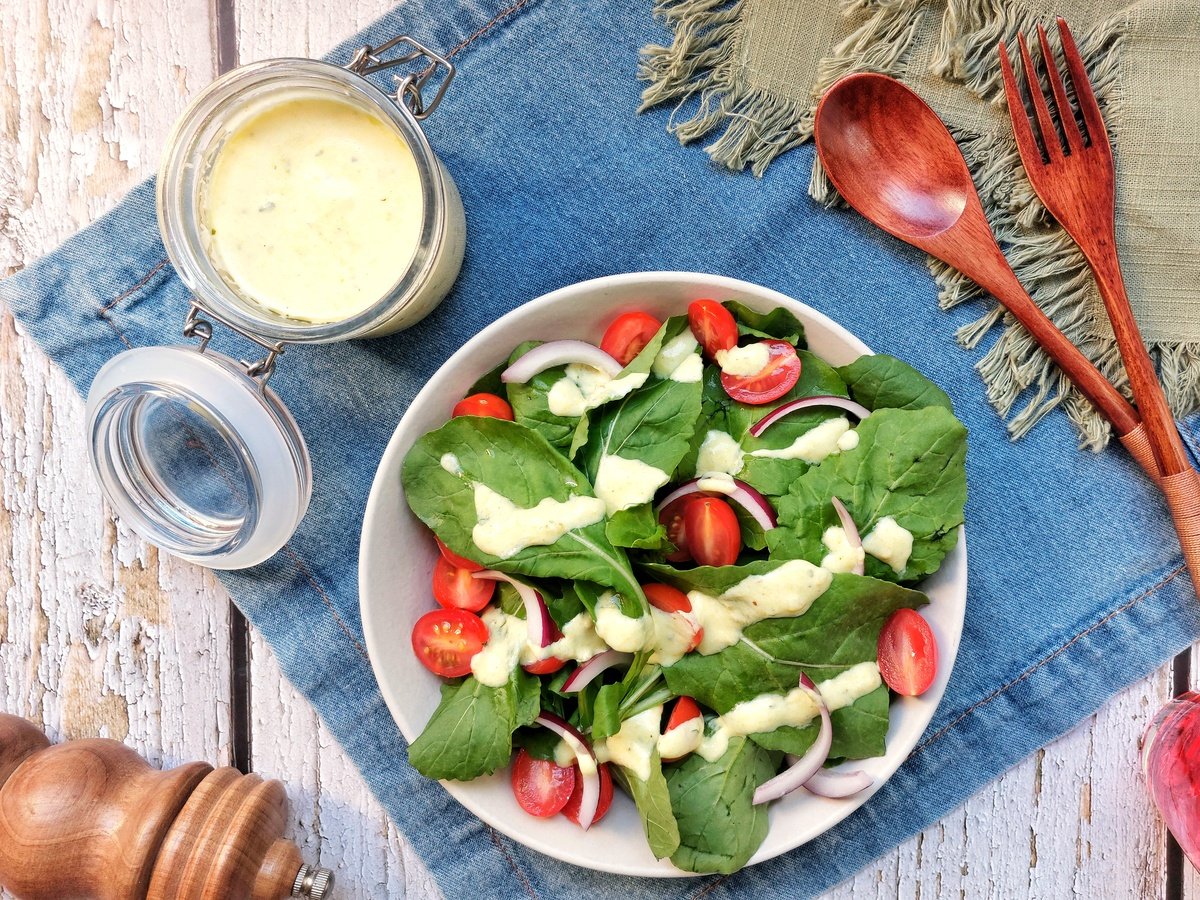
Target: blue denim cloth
[[1076, 585]]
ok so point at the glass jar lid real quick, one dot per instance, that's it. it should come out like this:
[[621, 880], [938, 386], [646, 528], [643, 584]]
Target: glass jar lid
[[198, 456]]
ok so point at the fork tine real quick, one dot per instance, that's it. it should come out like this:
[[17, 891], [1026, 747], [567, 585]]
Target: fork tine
[[1022, 128], [1065, 114], [1088, 106], [1050, 139]]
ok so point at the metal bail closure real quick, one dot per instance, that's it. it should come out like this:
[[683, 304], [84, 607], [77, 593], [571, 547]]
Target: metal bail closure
[[369, 60], [196, 454]]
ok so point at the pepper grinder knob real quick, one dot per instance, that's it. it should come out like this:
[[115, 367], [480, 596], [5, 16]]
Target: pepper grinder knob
[[313, 882]]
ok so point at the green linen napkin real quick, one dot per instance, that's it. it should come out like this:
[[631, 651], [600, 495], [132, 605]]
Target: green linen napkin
[[747, 74]]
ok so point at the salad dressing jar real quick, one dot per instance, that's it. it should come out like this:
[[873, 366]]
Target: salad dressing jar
[[298, 203]]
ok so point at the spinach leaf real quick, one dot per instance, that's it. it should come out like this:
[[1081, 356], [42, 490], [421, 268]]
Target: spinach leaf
[[490, 383], [519, 464], [840, 630], [470, 733], [720, 828], [606, 713], [531, 403], [884, 382], [540, 743], [712, 580], [859, 730], [653, 801], [637, 528], [778, 324], [909, 464], [564, 605]]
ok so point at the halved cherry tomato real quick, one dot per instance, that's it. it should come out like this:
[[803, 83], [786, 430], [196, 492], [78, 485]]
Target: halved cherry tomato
[[714, 537], [908, 653], [459, 562], [713, 326], [542, 787], [779, 376], [550, 664], [671, 517], [486, 405], [446, 639], [571, 810], [456, 588], [685, 709], [628, 335], [666, 598]]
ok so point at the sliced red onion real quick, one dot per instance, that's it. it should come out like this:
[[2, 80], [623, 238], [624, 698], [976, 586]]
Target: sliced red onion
[[758, 506], [590, 801], [810, 763], [829, 783], [852, 535], [855, 409], [537, 616], [586, 673], [559, 353]]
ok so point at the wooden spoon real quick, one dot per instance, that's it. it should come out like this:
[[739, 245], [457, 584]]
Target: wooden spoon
[[893, 160]]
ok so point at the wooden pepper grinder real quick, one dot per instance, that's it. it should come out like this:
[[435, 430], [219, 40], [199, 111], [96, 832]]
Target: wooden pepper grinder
[[91, 819]]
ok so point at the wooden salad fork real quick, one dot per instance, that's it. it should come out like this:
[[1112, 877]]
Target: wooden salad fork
[[1072, 173]]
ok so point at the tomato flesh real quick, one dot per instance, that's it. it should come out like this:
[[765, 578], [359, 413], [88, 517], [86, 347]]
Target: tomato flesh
[[908, 654], [714, 537], [713, 326], [456, 588], [667, 599], [684, 710], [459, 562], [487, 405], [628, 336], [779, 376], [550, 664], [571, 810], [445, 640], [671, 518], [542, 787]]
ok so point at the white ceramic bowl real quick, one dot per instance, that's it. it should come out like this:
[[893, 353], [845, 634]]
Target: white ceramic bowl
[[398, 553]]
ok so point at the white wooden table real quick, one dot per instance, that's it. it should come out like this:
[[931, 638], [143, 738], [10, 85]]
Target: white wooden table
[[100, 635]]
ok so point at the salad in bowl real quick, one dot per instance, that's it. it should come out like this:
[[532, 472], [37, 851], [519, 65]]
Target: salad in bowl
[[681, 562]]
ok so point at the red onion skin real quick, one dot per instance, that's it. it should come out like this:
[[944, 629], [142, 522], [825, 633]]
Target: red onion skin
[[590, 800], [838, 785], [825, 400], [809, 764], [590, 670], [558, 353], [537, 615], [744, 495], [852, 535]]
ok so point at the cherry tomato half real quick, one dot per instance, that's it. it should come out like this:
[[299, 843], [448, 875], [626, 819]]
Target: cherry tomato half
[[550, 664], [908, 653], [459, 562], [713, 326], [779, 376], [486, 405], [666, 598], [714, 537], [542, 787], [671, 518], [628, 335], [456, 588], [684, 710], [571, 810], [446, 639]]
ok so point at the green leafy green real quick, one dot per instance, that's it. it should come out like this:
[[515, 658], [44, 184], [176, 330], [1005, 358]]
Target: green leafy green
[[720, 828], [470, 733], [859, 730], [531, 403], [884, 382], [540, 743], [653, 801], [908, 465], [519, 464], [778, 324], [606, 712], [637, 528], [490, 383]]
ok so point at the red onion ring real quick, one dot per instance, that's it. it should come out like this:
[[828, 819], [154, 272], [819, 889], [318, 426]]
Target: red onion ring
[[587, 672], [590, 801], [742, 494], [537, 616], [837, 785], [558, 353], [855, 409], [810, 763], [852, 535]]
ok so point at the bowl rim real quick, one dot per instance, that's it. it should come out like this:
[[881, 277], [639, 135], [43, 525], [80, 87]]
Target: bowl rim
[[898, 748]]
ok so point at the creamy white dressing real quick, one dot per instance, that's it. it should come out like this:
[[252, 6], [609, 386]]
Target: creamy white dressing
[[633, 746], [673, 636], [564, 756], [841, 556], [719, 452], [744, 361], [716, 483], [504, 529], [682, 739], [619, 631], [814, 445], [507, 636], [690, 370], [787, 591], [583, 387], [451, 464], [675, 355], [857, 681], [622, 483], [889, 542], [579, 640], [848, 441]]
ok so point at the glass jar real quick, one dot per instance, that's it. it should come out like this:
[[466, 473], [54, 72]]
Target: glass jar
[[192, 448]]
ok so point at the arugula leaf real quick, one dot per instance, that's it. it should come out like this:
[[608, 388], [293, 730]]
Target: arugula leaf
[[519, 464], [531, 403], [884, 382], [606, 714], [840, 630], [720, 828], [540, 743], [470, 733], [779, 324], [653, 801], [859, 730], [908, 465]]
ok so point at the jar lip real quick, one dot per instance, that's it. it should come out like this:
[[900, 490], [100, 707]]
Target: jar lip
[[181, 167]]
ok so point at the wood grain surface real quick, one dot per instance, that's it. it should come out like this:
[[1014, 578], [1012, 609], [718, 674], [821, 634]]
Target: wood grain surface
[[102, 636]]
